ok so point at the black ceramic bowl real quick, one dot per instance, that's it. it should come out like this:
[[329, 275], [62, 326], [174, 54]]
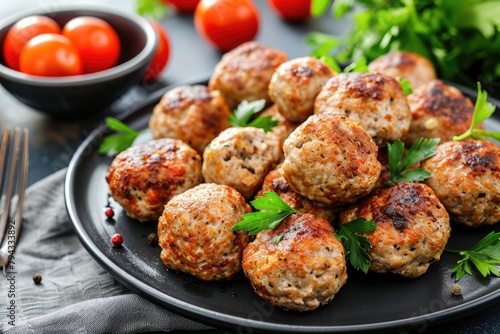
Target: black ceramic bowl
[[87, 94]]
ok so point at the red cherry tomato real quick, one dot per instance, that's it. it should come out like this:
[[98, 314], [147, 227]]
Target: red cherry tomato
[[227, 23], [96, 40], [21, 32], [162, 54], [182, 6], [292, 10], [50, 55]]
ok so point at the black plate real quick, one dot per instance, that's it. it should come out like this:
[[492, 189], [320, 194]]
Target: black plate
[[372, 302]]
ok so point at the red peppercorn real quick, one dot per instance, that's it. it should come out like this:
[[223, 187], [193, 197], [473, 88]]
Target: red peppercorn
[[109, 212], [116, 239]]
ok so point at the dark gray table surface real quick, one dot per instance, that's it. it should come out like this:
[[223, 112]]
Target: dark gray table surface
[[53, 141]]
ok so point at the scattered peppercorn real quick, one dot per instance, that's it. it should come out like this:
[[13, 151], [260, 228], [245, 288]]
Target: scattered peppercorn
[[152, 239], [456, 289], [37, 278], [109, 212], [116, 239]]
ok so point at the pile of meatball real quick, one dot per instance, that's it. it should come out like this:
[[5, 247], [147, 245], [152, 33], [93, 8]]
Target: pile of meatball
[[327, 157]]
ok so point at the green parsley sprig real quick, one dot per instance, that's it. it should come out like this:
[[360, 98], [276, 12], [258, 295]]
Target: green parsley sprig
[[117, 143], [484, 256], [400, 162], [273, 211], [482, 111], [242, 116], [405, 85], [151, 8], [356, 246]]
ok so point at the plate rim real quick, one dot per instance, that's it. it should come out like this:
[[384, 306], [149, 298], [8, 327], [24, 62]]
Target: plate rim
[[218, 319]]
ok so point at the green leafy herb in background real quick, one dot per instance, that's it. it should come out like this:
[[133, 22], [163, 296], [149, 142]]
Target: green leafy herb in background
[[405, 85], [151, 8], [356, 246], [242, 116], [117, 143], [482, 111], [400, 162], [461, 37], [484, 256]]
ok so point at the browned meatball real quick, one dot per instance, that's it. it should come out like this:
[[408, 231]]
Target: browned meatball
[[295, 85], [276, 182], [301, 271], [193, 114], [331, 160], [195, 232], [438, 111], [466, 179], [241, 158], [284, 127], [412, 228], [374, 100], [415, 68], [244, 73], [143, 178]]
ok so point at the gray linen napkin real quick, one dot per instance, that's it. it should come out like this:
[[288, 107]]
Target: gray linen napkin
[[76, 295]]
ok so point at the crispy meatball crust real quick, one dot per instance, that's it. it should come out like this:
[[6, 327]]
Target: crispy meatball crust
[[295, 85], [415, 68], [195, 232], [244, 73], [241, 158], [193, 114], [331, 160], [302, 271], [466, 179], [438, 111], [413, 228], [276, 182], [284, 128], [374, 100], [143, 178]]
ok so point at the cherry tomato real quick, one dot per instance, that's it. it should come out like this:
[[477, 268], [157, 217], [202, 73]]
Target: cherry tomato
[[162, 54], [96, 40], [50, 55], [292, 10], [227, 23], [182, 6], [21, 32]]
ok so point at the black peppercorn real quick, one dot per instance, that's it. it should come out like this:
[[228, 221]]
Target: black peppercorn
[[37, 278], [153, 239]]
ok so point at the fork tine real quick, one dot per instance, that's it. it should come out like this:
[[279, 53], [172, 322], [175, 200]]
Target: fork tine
[[3, 150], [11, 178], [9, 244]]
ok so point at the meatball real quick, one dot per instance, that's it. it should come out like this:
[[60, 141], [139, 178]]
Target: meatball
[[374, 100], [331, 160], [438, 111], [143, 178], [412, 228], [244, 73], [415, 68], [284, 128], [299, 265], [276, 182], [193, 114], [195, 232], [295, 85], [466, 179], [241, 158]]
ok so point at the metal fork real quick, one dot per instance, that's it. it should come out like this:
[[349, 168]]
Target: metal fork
[[12, 174]]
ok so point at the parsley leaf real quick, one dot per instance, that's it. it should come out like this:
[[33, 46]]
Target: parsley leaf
[[357, 66], [244, 112], [275, 211], [482, 110], [318, 7], [152, 8], [405, 85], [398, 164], [356, 246], [484, 256], [117, 143]]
